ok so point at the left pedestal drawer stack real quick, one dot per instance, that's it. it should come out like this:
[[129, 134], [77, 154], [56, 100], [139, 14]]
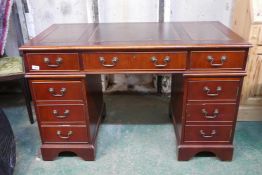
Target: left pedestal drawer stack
[[57, 105], [62, 103]]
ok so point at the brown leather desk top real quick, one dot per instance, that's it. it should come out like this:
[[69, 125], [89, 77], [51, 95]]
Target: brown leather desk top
[[126, 36]]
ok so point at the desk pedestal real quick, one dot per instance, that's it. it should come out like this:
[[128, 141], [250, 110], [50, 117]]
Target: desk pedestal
[[204, 111], [69, 111]]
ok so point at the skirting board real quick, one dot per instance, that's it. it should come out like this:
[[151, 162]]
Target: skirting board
[[250, 113]]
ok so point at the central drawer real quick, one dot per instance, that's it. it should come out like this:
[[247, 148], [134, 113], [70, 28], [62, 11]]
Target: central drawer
[[135, 61], [107, 61]]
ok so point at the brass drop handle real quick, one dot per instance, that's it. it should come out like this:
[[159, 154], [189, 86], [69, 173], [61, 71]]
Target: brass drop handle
[[60, 135], [114, 61], [215, 114], [58, 61], [207, 90], [203, 134], [165, 60], [56, 114], [211, 60], [52, 91]]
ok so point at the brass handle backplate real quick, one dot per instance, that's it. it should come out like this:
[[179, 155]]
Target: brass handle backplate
[[58, 61], [165, 60], [207, 90], [114, 61], [203, 134], [215, 114], [56, 114], [60, 135], [52, 91], [211, 60]]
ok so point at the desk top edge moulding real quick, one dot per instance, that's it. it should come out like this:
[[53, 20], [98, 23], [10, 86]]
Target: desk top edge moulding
[[206, 59]]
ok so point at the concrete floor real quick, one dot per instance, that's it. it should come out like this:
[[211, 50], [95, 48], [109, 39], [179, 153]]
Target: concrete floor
[[136, 138]]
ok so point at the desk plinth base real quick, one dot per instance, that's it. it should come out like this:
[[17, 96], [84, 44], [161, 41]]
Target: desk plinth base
[[51, 151], [223, 152]]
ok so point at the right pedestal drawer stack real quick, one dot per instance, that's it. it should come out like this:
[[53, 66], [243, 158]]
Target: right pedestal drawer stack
[[210, 110], [204, 105], [205, 113]]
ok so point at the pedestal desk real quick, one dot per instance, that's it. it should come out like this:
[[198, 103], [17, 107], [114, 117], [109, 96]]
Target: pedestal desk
[[206, 59]]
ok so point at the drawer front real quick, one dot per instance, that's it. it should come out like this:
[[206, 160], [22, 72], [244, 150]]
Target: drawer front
[[202, 133], [218, 60], [61, 113], [57, 90], [211, 112], [144, 61], [53, 62], [107, 61], [56, 134], [213, 90], [169, 60]]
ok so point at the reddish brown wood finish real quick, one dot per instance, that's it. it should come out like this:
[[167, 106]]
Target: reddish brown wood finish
[[82, 122], [223, 152], [61, 113], [67, 62], [144, 61], [234, 60], [136, 36], [196, 112], [195, 80], [229, 89], [42, 92], [92, 61], [50, 133], [217, 135], [96, 106], [135, 61], [177, 103], [51, 151], [214, 134]]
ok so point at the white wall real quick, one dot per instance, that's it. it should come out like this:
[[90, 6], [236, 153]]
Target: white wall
[[43, 13], [128, 10], [201, 10]]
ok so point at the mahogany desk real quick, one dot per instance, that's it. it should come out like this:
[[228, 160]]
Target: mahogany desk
[[207, 62]]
